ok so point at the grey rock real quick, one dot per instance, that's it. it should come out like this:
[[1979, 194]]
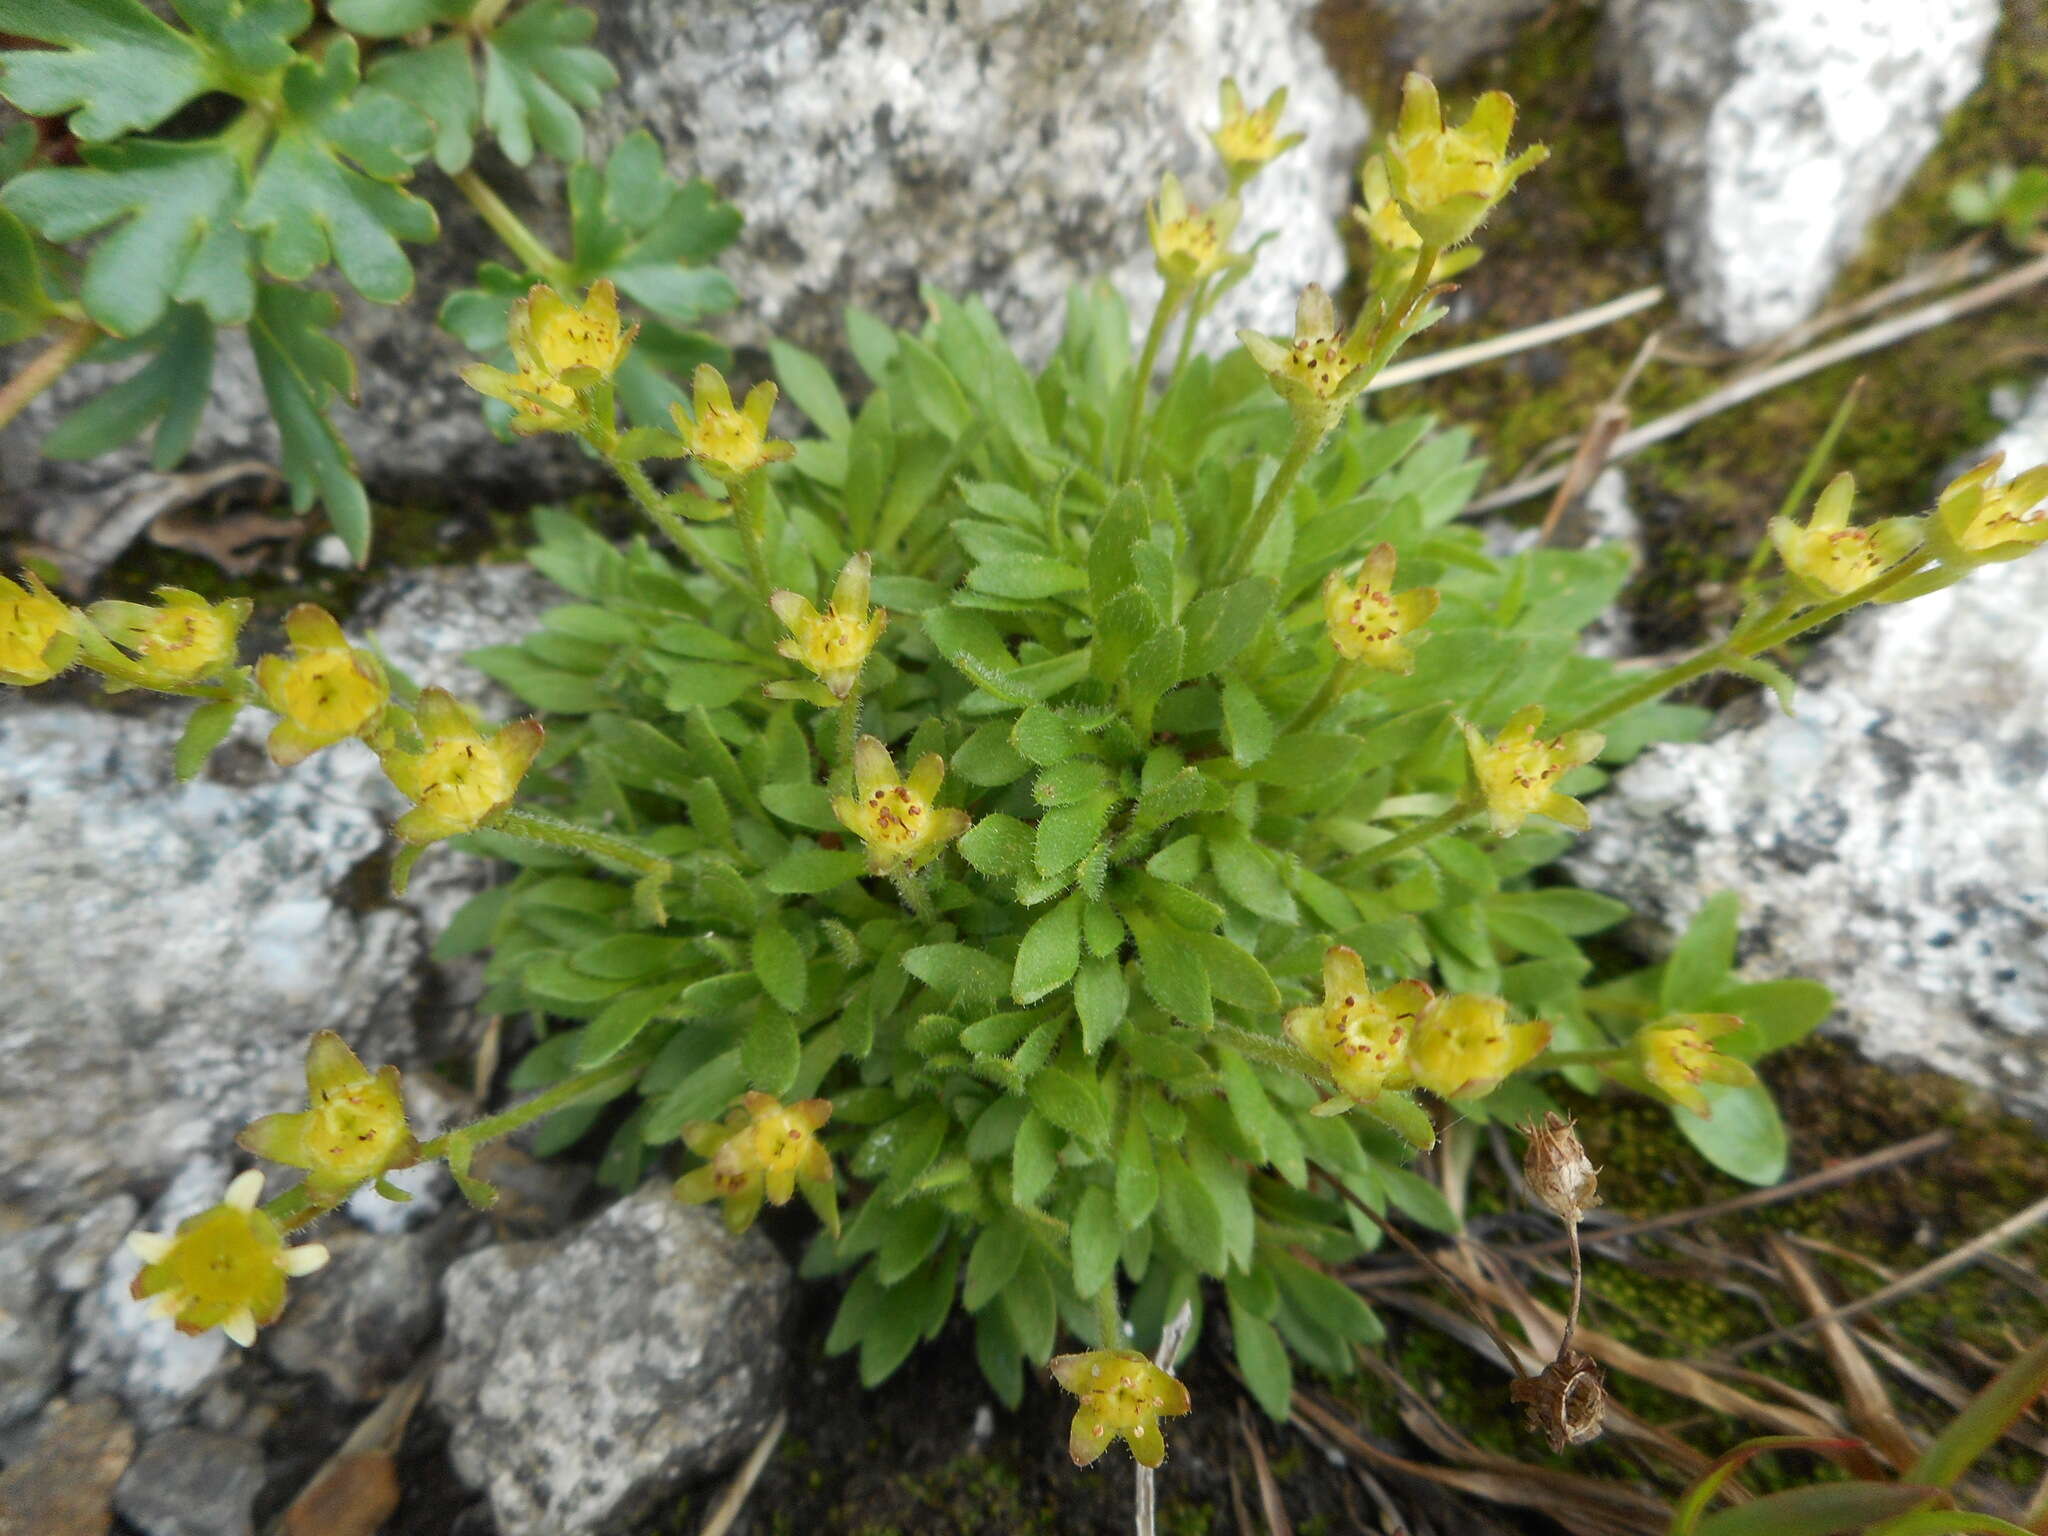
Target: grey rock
[[361, 1322], [166, 950], [59, 1482], [90, 1240], [1891, 840], [585, 1377], [991, 148], [120, 1349], [191, 1482], [1441, 37], [31, 1324], [1771, 132]]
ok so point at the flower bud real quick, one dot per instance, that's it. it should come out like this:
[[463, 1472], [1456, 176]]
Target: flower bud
[[1464, 1046], [1123, 1396], [1517, 770], [834, 644], [1447, 180], [1828, 557], [353, 1129], [896, 818], [1371, 623], [183, 639], [38, 632], [1677, 1054], [1249, 141], [224, 1268], [763, 1150], [327, 692], [1560, 1174], [1360, 1037], [458, 779], [731, 443]]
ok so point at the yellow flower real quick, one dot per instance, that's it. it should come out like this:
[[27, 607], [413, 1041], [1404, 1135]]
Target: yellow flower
[[1464, 1046], [224, 1268], [1381, 216], [1517, 769], [1360, 1037], [1677, 1054], [763, 1150], [1986, 521], [897, 820], [327, 692], [1188, 246], [559, 349], [184, 639], [352, 1130], [1318, 372], [1122, 1397], [833, 644], [730, 443], [1368, 621], [38, 632], [1829, 558], [1248, 141], [458, 779], [1447, 180]]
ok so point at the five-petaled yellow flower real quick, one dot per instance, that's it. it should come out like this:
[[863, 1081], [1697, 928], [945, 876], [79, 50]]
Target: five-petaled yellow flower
[[1464, 1046], [1394, 240], [895, 818], [1247, 141], [1447, 180], [1828, 557], [1369, 621], [458, 778], [183, 639], [1517, 771], [731, 442], [1318, 372], [1359, 1036], [1123, 1396], [762, 1150], [224, 1268], [352, 1130], [1677, 1054], [1189, 245], [1985, 521], [38, 632], [326, 692], [559, 349], [833, 644]]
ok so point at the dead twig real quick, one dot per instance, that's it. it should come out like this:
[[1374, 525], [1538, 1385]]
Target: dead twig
[[742, 1484], [1610, 419], [1270, 1507], [1864, 1397], [1146, 1493]]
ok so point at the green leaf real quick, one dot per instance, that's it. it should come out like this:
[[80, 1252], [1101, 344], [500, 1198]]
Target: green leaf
[[24, 303], [1067, 833], [1051, 951], [439, 83], [999, 846], [809, 386], [1137, 1176], [171, 389], [207, 728], [301, 371], [779, 962], [537, 75], [1700, 964], [1094, 1241], [310, 205], [1024, 576], [771, 1051], [1776, 1014], [809, 871], [959, 972], [1221, 624], [121, 68], [1033, 1161], [651, 234], [255, 36], [1072, 1102], [175, 207], [1247, 727], [1171, 970], [620, 1023], [1262, 1361], [1189, 1214], [1743, 1136], [993, 1260], [1246, 873], [1823, 1509], [395, 18], [1101, 996], [1987, 1416]]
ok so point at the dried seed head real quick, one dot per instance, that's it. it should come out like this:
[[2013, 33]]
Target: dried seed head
[[1558, 1170], [1567, 1403]]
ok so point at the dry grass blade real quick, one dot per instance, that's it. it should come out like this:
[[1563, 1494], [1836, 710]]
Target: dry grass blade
[[1806, 1184], [1864, 1397], [1275, 1513], [742, 1484], [1584, 1505], [1610, 419], [1238, 1507], [1417, 369], [1919, 1279], [1145, 1488]]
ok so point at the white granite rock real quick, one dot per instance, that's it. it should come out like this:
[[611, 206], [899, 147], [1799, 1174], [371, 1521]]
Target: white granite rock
[[992, 148], [1769, 134], [1890, 840], [585, 1377]]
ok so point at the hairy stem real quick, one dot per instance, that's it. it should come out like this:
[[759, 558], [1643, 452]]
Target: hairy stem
[[522, 242], [914, 895], [1335, 686], [1109, 1322], [553, 832], [1460, 812], [1141, 381], [1306, 440], [74, 340], [750, 516], [673, 524]]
